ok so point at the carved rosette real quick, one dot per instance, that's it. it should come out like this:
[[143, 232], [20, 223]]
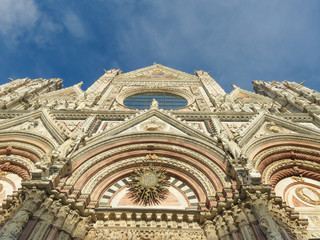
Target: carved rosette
[[148, 185]]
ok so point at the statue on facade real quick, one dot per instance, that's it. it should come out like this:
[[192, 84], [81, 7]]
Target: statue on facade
[[229, 145], [29, 125], [154, 104], [71, 145]]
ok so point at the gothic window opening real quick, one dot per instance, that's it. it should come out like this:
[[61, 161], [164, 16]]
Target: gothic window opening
[[165, 100]]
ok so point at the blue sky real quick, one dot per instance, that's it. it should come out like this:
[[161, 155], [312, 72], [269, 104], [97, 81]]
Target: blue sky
[[237, 40]]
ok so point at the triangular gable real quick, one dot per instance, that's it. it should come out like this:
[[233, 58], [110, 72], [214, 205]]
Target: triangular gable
[[157, 72], [153, 121], [41, 122], [71, 125], [69, 92], [242, 95], [265, 124], [153, 124]]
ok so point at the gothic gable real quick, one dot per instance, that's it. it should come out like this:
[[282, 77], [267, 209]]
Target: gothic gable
[[154, 121], [70, 92], [241, 95], [265, 124], [157, 72], [41, 122]]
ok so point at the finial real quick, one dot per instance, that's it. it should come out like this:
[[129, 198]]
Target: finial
[[79, 84], [234, 86]]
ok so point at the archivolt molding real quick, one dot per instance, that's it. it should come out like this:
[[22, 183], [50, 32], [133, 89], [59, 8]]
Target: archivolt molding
[[28, 138], [216, 167], [269, 145], [20, 161], [13, 148], [289, 165], [116, 167], [16, 169], [93, 145], [180, 154], [270, 155]]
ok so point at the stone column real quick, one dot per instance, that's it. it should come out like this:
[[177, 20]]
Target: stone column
[[232, 228], [262, 214], [209, 230], [81, 229], [29, 228], [243, 224], [62, 235], [13, 228], [222, 229], [40, 231], [254, 225], [46, 217], [53, 233]]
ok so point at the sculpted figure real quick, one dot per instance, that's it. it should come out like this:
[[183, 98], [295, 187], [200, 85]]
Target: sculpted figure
[[71, 220], [31, 124], [272, 127], [36, 104], [44, 207], [71, 145], [72, 104], [52, 104], [82, 227], [62, 104], [154, 104], [80, 139], [229, 145], [3, 104], [61, 215], [153, 126]]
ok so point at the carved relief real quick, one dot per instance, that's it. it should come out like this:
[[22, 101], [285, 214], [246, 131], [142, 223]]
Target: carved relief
[[309, 195]]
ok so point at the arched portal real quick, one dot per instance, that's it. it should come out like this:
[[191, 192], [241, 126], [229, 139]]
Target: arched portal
[[101, 165], [291, 165]]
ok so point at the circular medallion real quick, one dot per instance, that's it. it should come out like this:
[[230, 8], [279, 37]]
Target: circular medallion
[[149, 179], [148, 185]]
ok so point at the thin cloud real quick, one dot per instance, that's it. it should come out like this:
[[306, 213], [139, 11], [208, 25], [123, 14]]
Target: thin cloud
[[256, 40], [74, 24], [17, 17], [24, 20]]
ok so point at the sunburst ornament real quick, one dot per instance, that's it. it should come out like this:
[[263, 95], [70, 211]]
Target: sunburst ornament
[[148, 185]]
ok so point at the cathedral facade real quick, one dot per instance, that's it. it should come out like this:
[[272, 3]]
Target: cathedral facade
[[159, 154]]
